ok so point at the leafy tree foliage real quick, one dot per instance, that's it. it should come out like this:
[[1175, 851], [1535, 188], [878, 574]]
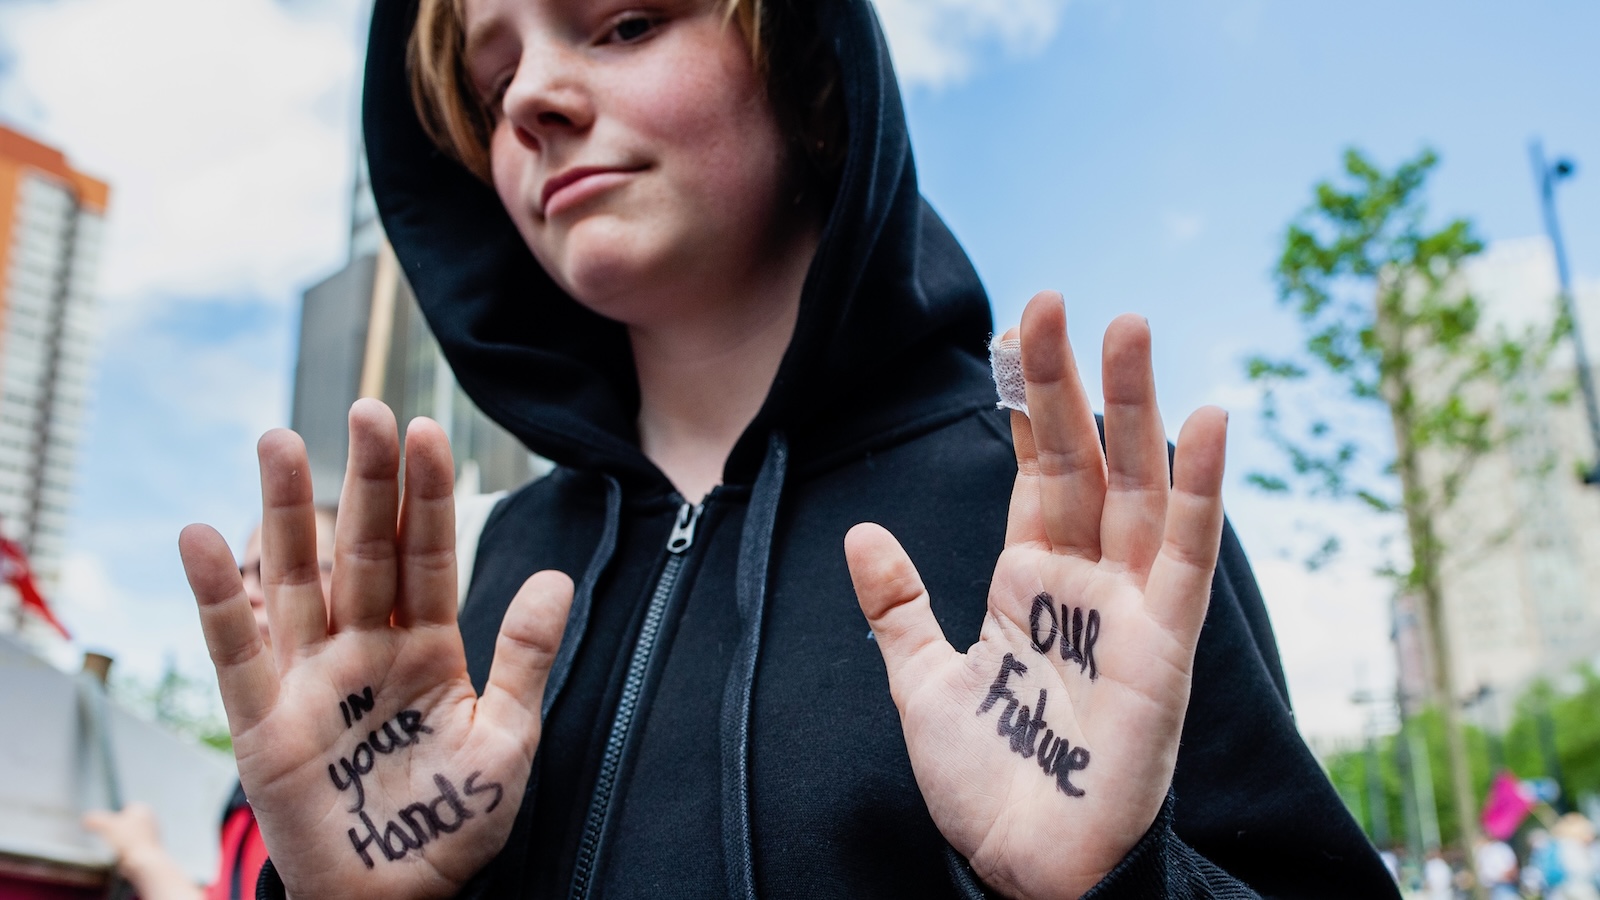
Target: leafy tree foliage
[[1516, 745], [1389, 402]]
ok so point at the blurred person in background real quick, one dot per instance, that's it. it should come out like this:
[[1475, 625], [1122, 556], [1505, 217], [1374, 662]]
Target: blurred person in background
[[133, 833], [1543, 873], [1439, 879], [1574, 836], [1496, 866]]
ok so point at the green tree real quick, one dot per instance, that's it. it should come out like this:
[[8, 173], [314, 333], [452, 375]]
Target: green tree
[[1391, 329], [1571, 722], [1349, 772], [1567, 718]]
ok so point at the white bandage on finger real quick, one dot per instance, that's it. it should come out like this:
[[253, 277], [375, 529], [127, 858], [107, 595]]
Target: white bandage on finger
[[1005, 359]]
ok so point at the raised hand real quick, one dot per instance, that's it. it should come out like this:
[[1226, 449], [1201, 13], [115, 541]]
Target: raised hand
[[372, 765], [134, 835], [1045, 751]]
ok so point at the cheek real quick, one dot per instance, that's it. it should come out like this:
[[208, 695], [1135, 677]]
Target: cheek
[[711, 109], [509, 170]]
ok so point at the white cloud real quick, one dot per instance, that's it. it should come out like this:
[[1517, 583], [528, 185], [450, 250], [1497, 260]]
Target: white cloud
[[936, 42], [226, 131], [223, 126], [141, 632], [1332, 628]]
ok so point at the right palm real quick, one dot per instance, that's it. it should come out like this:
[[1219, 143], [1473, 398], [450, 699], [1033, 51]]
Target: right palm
[[370, 762]]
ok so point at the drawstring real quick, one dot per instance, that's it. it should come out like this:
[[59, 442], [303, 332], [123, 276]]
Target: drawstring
[[583, 597], [755, 554]]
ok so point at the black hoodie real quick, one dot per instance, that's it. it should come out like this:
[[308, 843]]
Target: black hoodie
[[718, 722]]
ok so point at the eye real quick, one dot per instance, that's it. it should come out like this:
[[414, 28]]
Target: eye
[[631, 28], [494, 98]]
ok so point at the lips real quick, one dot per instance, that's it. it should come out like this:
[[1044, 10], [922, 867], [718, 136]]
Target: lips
[[577, 184]]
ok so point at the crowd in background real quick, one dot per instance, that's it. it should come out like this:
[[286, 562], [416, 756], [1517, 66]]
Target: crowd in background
[[1558, 862]]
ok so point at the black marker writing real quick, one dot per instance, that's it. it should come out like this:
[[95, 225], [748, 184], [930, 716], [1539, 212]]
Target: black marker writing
[[355, 706], [1062, 760], [1022, 726], [999, 689], [421, 822], [364, 757], [1077, 644], [472, 789]]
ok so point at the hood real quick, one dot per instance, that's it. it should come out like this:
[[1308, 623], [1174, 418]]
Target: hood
[[893, 320]]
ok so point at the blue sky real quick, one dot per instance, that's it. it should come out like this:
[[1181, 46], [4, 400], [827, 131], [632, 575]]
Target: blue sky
[[1149, 158], [1136, 157]]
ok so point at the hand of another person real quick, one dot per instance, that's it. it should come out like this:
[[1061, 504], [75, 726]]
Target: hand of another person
[[1046, 750], [133, 835], [373, 767]]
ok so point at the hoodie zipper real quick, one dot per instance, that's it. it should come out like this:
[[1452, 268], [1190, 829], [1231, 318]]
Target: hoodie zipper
[[678, 543]]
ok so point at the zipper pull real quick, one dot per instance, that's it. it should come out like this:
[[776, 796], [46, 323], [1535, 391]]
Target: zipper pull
[[682, 536]]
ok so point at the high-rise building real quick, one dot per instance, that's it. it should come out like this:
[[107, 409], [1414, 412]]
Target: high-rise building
[[51, 220], [1521, 570], [363, 335]]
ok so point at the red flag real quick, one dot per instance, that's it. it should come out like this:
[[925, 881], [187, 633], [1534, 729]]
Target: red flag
[[1506, 806], [14, 568]]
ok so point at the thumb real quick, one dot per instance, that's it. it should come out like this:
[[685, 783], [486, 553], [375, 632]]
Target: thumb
[[896, 605], [530, 634]]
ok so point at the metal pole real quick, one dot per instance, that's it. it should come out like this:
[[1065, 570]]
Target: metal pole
[[1377, 797], [1427, 805], [1408, 790], [1546, 177]]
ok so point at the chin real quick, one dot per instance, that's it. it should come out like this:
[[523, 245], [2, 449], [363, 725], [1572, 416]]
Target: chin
[[612, 271]]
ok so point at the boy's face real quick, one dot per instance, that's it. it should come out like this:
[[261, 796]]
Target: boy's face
[[250, 571], [634, 147]]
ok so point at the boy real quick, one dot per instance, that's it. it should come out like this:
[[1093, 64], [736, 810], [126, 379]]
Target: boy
[[678, 249], [132, 833]]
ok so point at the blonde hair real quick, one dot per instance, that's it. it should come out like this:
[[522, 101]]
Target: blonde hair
[[450, 110]]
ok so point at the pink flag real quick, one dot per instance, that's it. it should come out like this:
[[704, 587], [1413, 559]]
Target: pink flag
[[1507, 805]]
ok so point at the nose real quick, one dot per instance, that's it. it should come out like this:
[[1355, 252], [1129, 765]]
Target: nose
[[549, 96]]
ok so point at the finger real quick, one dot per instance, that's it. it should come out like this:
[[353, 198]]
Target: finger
[[364, 571], [530, 635], [1067, 458], [99, 821], [1024, 524], [291, 576], [1180, 581], [427, 529], [896, 606], [1136, 449], [245, 672]]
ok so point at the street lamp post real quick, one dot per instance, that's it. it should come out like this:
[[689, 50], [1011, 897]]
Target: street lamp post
[[1547, 175], [1377, 797]]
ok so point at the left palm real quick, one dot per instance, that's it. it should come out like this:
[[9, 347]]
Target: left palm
[[1045, 751]]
